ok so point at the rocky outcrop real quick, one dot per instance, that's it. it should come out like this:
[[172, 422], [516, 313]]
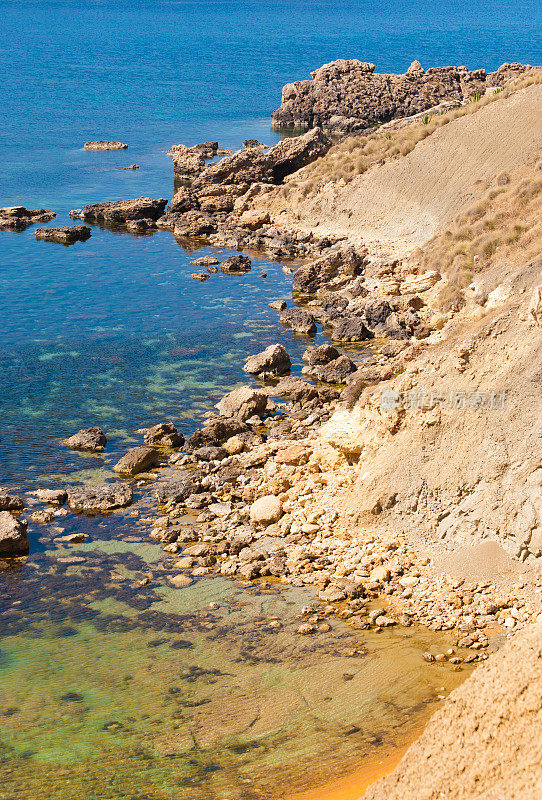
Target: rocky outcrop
[[17, 218], [68, 234], [137, 459], [56, 497], [216, 433], [104, 144], [299, 320], [334, 269], [273, 360], [120, 212], [100, 498], [13, 538], [348, 96], [91, 439]]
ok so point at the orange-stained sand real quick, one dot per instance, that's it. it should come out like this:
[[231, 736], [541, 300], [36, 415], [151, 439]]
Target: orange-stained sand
[[353, 786]]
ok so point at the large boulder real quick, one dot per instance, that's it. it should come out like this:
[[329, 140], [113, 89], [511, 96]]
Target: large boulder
[[17, 218], [13, 538], [243, 403], [99, 498], [179, 490], [91, 439], [165, 434], [137, 459], [273, 360], [320, 355], [121, 211], [336, 371]]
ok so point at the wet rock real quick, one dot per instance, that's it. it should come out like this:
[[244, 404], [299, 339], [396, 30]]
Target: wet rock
[[99, 498], [273, 360], [91, 439], [56, 497], [104, 144], [43, 516], [236, 265], [192, 223], [67, 234], [165, 434], [299, 320], [10, 502], [119, 212], [243, 403], [200, 276], [137, 459], [71, 538], [306, 629], [132, 166], [205, 261], [266, 510], [277, 305], [13, 537], [17, 218], [351, 329]]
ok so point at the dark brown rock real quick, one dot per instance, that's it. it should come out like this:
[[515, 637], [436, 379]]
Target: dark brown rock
[[236, 265], [120, 211], [137, 459], [165, 434], [17, 218], [67, 234]]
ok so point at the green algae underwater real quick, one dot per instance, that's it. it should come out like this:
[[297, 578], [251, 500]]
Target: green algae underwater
[[113, 684]]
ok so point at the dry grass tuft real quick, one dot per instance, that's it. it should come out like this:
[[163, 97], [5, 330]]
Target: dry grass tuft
[[505, 216]]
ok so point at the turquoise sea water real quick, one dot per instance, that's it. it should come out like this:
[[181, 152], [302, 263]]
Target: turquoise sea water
[[110, 688]]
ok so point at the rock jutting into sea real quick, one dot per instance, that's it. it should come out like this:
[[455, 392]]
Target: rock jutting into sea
[[347, 96], [17, 218], [68, 234]]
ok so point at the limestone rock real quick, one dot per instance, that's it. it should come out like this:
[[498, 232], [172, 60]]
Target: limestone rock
[[104, 144], [119, 212], [266, 510], [13, 538], [91, 439], [10, 502], [56, 497], [236, 265], [67, 234], [137, 459], [242, 403], [165, 434], [99, 498], [274, 359], [17, 218], [299, 320]]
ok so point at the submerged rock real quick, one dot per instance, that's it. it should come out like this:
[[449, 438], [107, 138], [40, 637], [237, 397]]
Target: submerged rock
[[13, 537], [17, 218], [99, 498], [274, 360], [104, 144], [67, 234], [91, 439], [137, 459]]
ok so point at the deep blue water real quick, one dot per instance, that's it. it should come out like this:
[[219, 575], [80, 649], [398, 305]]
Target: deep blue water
[[113, 331]]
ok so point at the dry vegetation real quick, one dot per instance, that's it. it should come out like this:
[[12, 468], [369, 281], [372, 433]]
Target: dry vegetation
[[356, 154], [507, 214]]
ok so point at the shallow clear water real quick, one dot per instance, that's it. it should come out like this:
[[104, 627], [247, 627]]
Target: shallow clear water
[[110, 690]]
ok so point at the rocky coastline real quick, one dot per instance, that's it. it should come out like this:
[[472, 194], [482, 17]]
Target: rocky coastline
[[264, 489]]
